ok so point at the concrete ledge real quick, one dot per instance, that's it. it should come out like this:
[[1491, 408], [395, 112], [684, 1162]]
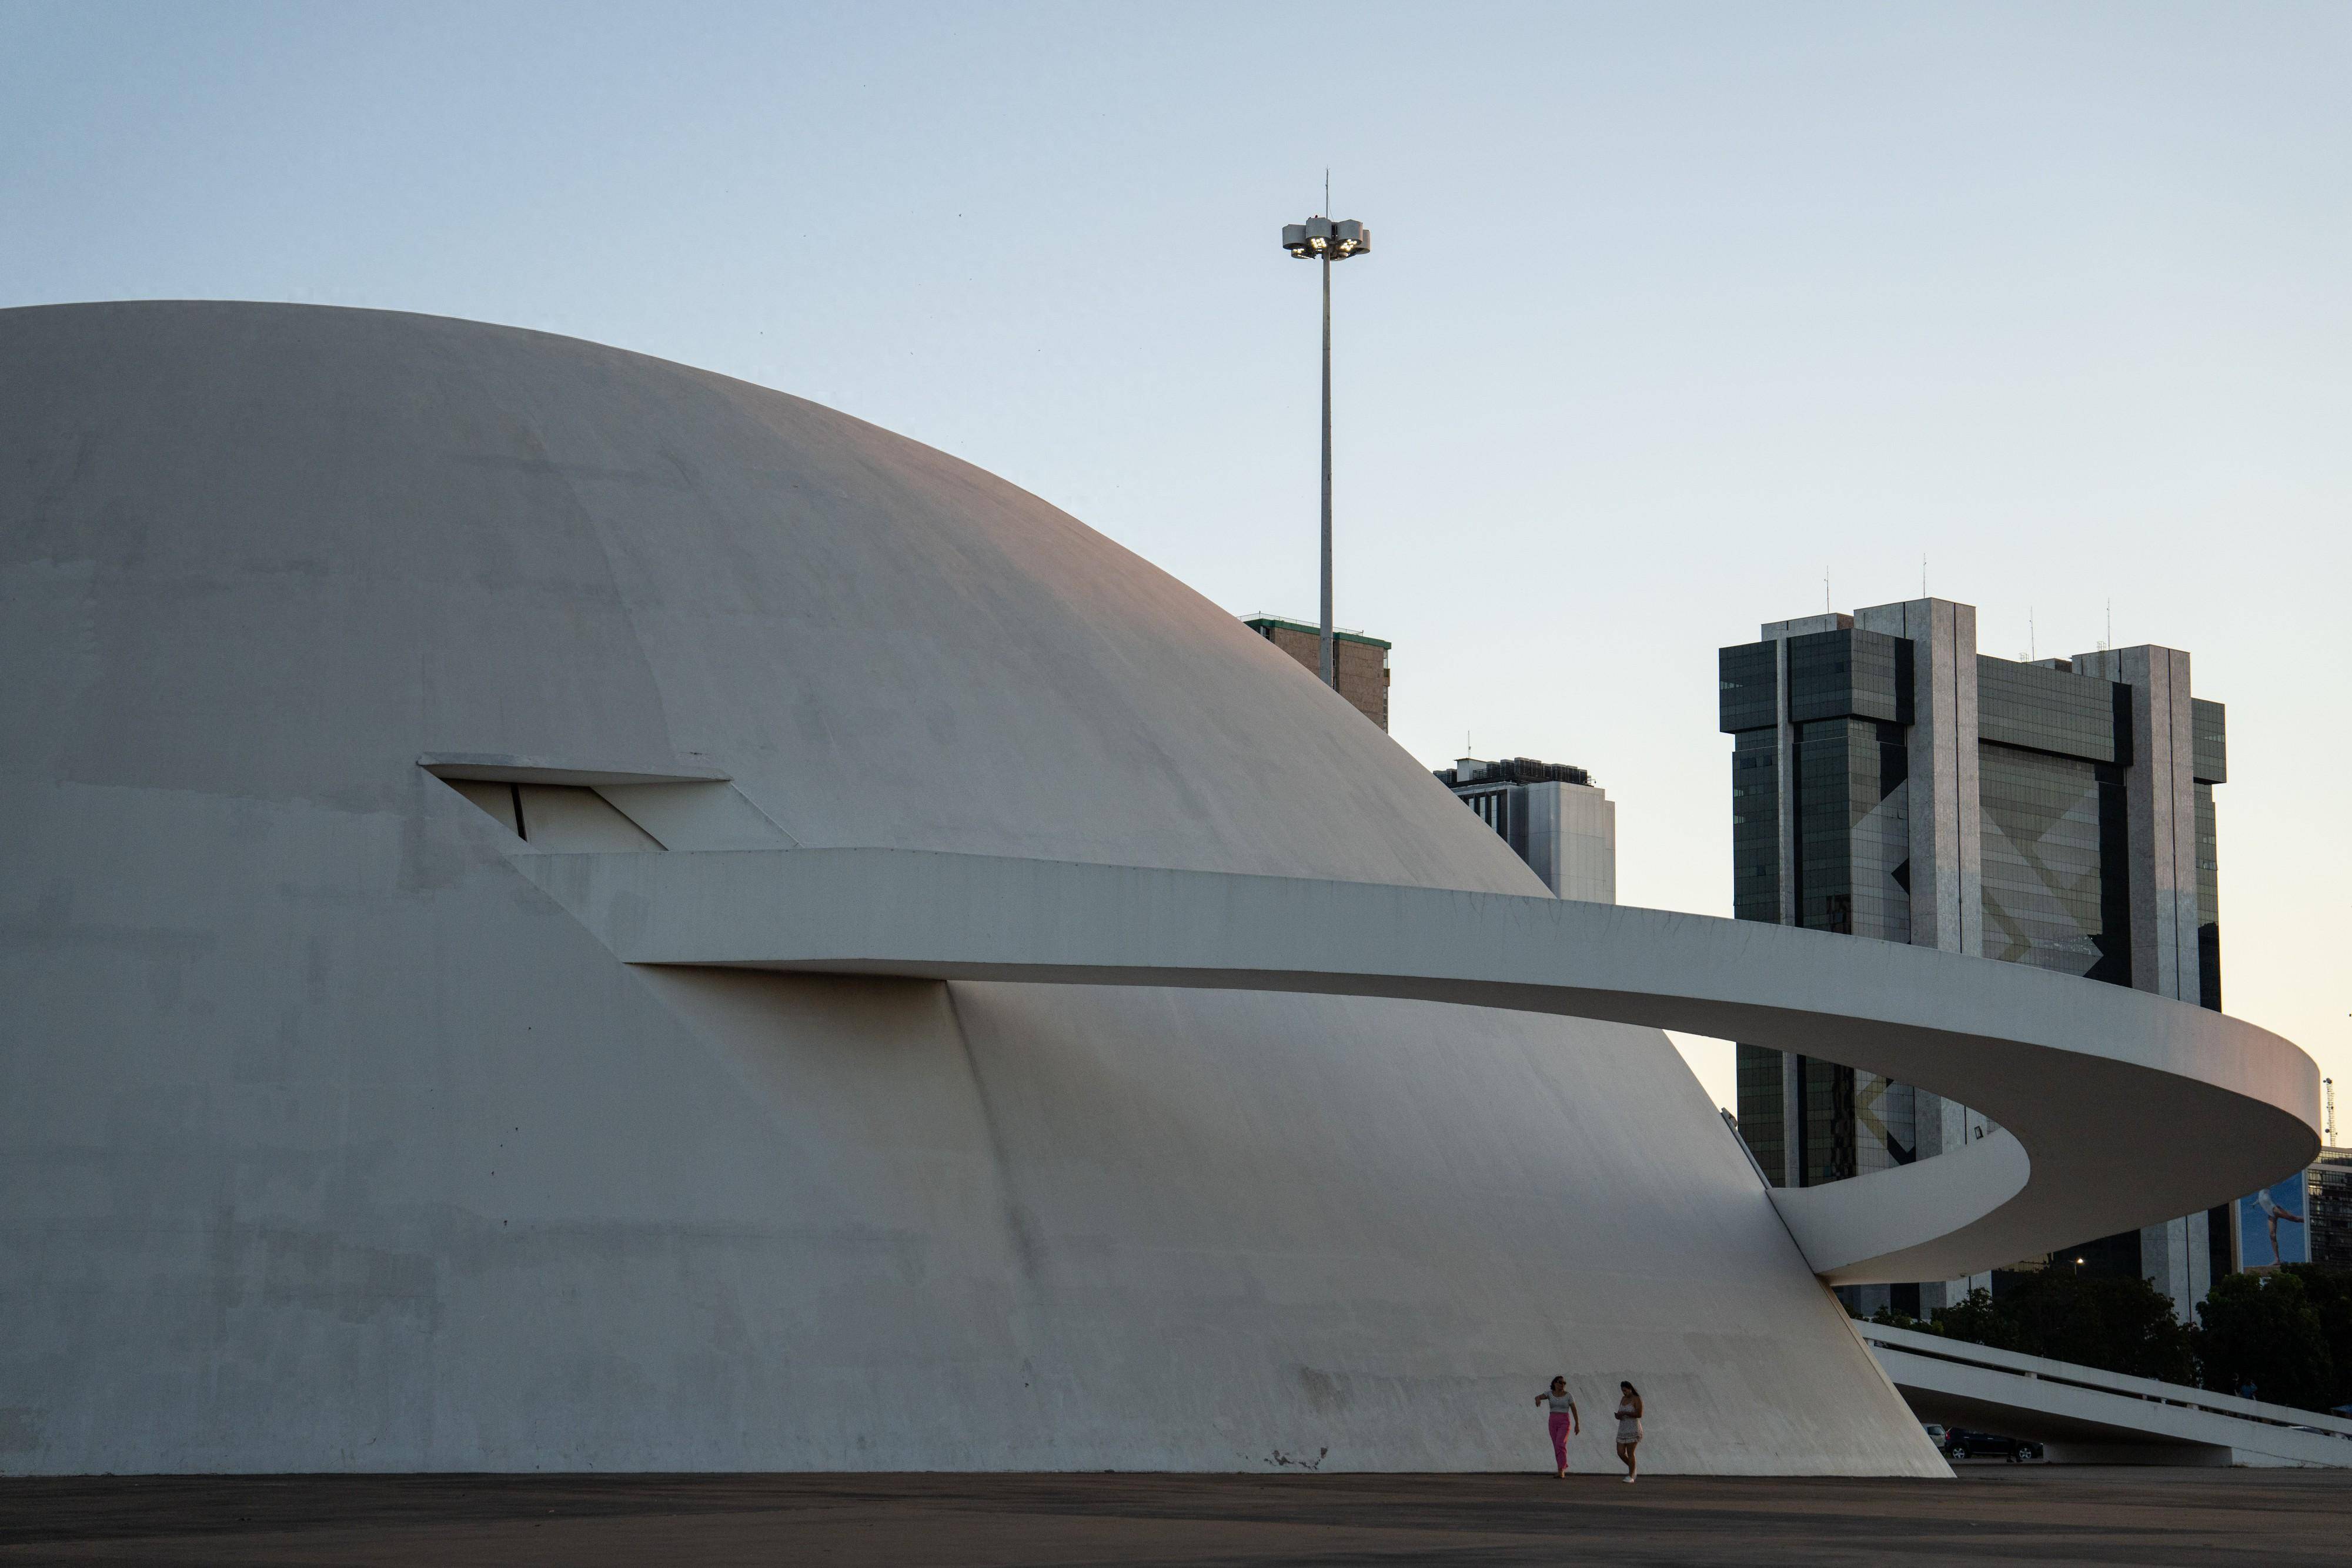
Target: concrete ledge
[[499, 767]]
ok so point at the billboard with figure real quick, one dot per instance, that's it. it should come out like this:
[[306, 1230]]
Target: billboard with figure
[[2271, 1227]]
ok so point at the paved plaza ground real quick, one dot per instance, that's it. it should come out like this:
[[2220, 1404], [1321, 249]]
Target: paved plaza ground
[[1991, 1514]]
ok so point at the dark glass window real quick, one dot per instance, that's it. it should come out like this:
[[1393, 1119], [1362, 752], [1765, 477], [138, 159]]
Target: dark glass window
[[1757, 1073], [2044, 709], [1756, 826], [1825, 1109], [2209, 903], [2054, 864], [2209, 740], [1847, 674], [1493, 806], [1846, 793], [2220, 1255], [2327, 1202], [1854, 832], [1748, 686]]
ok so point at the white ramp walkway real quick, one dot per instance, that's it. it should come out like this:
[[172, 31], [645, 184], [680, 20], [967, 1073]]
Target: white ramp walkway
[[2083, 1416]]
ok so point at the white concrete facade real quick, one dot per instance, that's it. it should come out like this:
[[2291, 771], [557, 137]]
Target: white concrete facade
[[333, 1142], [1572, 839], [1564, 825]]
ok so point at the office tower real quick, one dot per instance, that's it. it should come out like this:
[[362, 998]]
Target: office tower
[[1890, 781], [1553, 816], [1359, 664], [2328, 1207]]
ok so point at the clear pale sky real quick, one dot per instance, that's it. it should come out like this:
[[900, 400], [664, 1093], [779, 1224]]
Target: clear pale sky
[[1672, 310]]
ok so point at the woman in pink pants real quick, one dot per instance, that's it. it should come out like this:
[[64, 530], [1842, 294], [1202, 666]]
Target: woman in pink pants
[[1563, 1421]]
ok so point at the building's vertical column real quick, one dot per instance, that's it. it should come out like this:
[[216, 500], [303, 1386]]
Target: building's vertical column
[[1784, 773], [1967, 790], [2160, 793], [2160, 805], [2176, 1257], [1785, 778], [1961, 752], [2181, 789], [2200, 1237], [1946, 828], [2164, 1261], [2161, 813], [1796, 1122], [1544, 842], [2209, 740], [1602, 813], [1793, 1119], [1752, 710]]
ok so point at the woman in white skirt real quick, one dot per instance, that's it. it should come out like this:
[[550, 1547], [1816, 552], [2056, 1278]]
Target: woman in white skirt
[[1629, 1428]]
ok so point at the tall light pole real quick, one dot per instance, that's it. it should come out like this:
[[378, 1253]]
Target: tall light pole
[[1320, 239]]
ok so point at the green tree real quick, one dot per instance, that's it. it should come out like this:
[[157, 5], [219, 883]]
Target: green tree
[[2263, 1329], [2117, 1325], [1895, 1320], [2123, 1325], [2329, 1291], [1975, 1320]]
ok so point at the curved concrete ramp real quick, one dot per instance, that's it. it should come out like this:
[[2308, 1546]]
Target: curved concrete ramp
[[2083, 1415], [2085, 1078]]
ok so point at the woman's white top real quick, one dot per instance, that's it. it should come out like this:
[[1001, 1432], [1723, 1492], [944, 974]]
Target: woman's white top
[[1629, 1425], [1561, 1405]]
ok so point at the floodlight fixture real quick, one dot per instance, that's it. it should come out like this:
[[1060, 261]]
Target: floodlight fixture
[[1326, 240]]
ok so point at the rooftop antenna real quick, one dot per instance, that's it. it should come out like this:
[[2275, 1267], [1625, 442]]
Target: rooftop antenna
[[2329, 1084], [1825, 590], [2111, 625], [2031, 648], [1923, 574]]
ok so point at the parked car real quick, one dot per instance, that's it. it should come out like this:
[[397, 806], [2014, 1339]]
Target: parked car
[[1958, 1444]]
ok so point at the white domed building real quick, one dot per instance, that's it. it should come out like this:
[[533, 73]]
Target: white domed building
[[336, 1139]]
